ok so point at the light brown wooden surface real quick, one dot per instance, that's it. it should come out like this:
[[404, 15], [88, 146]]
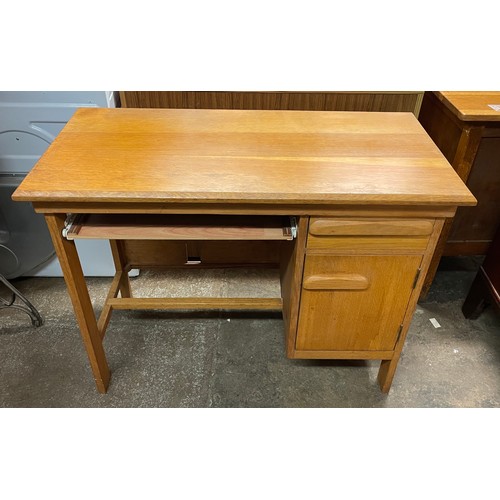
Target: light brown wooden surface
[[367, 244], [234, 208], [227, 156], [472, 106], [197, 303], [338, 281], [370, 227], [356, 319], [307, 101], [165, 227]]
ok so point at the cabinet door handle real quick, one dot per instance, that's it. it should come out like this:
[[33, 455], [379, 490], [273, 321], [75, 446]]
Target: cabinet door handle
[[338, 281]]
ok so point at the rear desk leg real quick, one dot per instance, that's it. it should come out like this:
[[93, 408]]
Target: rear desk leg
[[117, 249], [78, 292]]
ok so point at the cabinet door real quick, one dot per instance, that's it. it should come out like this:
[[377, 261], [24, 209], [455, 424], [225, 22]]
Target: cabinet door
[[352, 303]]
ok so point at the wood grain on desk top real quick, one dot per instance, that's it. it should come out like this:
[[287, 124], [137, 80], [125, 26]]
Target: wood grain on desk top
[[229, 156], [472, 106]]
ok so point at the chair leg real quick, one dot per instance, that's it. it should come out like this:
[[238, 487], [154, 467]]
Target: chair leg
[[476, 299], [26, 307]]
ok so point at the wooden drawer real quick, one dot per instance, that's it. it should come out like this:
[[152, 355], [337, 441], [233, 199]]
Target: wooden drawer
[[354, 235]]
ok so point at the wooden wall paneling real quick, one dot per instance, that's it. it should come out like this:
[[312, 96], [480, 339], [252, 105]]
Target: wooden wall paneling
[[309, 101], [254, 100]]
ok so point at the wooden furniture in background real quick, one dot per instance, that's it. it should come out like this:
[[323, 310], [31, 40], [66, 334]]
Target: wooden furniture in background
[[467, 131], [485, 288], [369, 193], [306, 101]]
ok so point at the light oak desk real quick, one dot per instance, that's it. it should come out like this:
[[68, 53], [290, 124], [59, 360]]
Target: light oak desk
[[348, 205]]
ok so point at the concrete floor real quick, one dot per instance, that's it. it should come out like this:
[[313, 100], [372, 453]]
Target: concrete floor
[[213, 359]]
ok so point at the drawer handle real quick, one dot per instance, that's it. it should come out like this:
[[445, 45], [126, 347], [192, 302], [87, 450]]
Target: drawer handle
[[328, 227], [340, 281]]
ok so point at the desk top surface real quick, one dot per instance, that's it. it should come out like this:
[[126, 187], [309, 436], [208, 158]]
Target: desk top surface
[[473, 106], [228, 156]]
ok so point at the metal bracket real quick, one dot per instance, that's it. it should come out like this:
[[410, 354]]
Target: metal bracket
[[68, 223], [293, 226], [400, 330], [416, 278], [27, 307]]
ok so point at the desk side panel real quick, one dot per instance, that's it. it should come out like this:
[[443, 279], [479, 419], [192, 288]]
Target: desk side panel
[[291, 270]]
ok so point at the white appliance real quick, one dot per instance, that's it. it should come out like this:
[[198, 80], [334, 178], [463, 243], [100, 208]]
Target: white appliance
[[29, 122]]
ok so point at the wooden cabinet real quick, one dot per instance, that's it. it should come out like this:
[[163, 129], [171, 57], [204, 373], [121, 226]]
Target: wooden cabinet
[[359, 278], [466, 128]]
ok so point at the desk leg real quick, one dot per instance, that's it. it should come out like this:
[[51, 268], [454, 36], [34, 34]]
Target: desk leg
[[78, 292], [120, 265], [388, 366], [386, 373]]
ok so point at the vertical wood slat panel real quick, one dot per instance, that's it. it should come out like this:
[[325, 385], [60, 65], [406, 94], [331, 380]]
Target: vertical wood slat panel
[[307, 101]]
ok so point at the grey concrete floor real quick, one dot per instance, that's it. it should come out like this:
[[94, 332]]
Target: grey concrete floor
[[216, 359]]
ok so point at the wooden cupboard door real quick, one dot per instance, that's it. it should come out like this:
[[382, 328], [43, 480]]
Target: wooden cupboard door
[[354, 303]]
